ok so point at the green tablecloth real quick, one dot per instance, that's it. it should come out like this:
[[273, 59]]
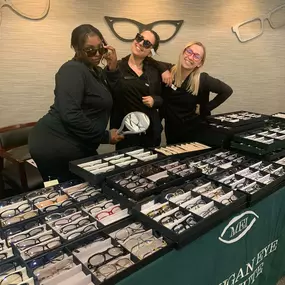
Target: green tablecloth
[[248, 248]]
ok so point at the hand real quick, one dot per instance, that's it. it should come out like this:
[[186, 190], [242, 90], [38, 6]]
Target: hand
[[167, 77], [148, 101], [115, 137], [197, 109], [111, 57]]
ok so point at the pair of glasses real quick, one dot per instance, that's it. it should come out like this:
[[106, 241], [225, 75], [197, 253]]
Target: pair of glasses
[[64, 221], [108, 270], [86, 194], [11, 231], [198, 204], [209, 212], [56, 216], [176, 193], [8, 267], [125, 233], [229, 200], [85, 230], [145, 43], [185, 199], [49, 258], [108, 212], [143, 188], [159, 211], [68, 228], [33, 241], [171, 218], [11, 200], [196, 56], [93, 51], [51, 205], [185, 225], [216, 194], [44, 197], [99, 208], [12, 278], [100, 258], [32, 232], [20, 218], [38, 249], [23, 208]]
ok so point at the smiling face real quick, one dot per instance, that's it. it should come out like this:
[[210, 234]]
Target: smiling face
[[192, 57], [142, 45]]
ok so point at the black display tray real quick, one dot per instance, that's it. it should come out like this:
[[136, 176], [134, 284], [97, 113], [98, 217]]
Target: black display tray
[[265, 191], [140, 196], [99, 178], [203, 224], [214, 119]]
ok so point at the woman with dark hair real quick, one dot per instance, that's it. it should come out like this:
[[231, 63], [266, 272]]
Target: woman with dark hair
[[76, 123], [136, 86]]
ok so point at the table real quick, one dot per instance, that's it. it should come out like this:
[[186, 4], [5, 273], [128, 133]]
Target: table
[[248, 248]]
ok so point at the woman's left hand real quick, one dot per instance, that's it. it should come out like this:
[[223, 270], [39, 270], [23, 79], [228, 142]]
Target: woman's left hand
[[197, 109], [148, 101], [111, 57], [167, 77]]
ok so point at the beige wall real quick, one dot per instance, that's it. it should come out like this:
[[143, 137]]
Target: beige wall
[[32, 51]]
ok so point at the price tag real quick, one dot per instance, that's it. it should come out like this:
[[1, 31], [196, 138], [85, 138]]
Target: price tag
[[51, 183]]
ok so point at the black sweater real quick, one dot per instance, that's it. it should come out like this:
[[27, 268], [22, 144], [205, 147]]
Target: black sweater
[[82, 106], [128, 89]]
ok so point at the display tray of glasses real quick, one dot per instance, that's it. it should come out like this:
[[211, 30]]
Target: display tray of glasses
[[183, 148], [95, 168], [237, 118], [269, 138], [257, 180], [185, 212], [279, 115], [120, 250], [15, 272], [216, 161], [150, 179], [60, 267]]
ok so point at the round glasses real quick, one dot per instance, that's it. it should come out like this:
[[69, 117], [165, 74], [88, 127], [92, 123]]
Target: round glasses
[[33, 241], [72, 227], [125, 233]]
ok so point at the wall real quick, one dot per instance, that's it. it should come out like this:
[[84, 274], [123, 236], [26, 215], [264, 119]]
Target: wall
[[32, 51]]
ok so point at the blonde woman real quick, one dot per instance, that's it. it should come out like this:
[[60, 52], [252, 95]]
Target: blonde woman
[[186, 94]]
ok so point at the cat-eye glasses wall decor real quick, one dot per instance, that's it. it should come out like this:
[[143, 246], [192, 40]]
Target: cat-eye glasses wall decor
[[25, 9], [127, 24], [253, 28]]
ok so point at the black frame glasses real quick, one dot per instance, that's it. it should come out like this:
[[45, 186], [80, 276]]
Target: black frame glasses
[[9, 213], [185, 225], [32, 232], [85, 230], [145, 43], [71, 227]]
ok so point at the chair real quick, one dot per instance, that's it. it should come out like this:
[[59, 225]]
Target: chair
[[15, 171]]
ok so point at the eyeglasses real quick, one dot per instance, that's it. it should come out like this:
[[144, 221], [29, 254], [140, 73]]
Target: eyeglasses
[[108, 212], [198, 204], [56, 216], [146, 43], [108, 270], [85, 194], [63, 221], [20, 237], [184, 225], [159, 211], [229, 200], [99, 207], [33, 241], [20, 218], [196, 56], [87, 229], [27, 226], [177, 192], [72, 227], [40, 196], [171, 218], [100, 258], [49, 258], [125, 233], [254, 27], [23, 208], [38, 249], [3, 255], [209, 212], [11, 200], [92, 51], [51, 205], [215, 194], [12, 278], [9, 267]]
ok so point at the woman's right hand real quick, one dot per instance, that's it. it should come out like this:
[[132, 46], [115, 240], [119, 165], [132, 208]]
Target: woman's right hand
[[115, 137], [111, 57]]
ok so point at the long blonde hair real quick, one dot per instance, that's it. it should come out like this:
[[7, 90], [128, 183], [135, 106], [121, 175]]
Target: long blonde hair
[[194, 78]]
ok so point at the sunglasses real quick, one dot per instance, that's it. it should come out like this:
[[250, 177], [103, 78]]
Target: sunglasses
[[146, 43], [92, 51]]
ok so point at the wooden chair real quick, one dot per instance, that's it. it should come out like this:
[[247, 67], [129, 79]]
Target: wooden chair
[[14, 170]]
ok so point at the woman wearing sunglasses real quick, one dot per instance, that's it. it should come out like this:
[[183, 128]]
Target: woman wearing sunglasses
[[136, 86], [76, 123], [186, 96]]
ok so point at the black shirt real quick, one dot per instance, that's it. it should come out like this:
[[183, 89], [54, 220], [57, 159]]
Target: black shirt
[[82, 106], [128, 89]]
